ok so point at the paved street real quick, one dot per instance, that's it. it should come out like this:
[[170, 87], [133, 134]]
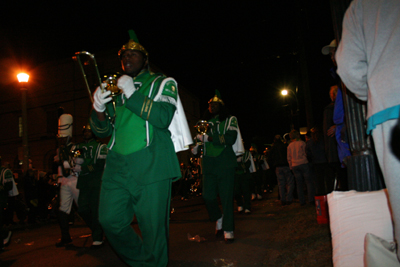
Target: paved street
[[256, 242]]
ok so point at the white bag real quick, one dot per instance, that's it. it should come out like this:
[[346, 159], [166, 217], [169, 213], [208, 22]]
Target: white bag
[[353, 215]]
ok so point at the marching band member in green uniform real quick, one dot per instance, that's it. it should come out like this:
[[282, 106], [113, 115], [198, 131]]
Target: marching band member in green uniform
[[90, 159], [141, 162], [257, 175], [245, 167], [219, 163]]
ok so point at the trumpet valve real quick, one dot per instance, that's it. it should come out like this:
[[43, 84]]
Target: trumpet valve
[[114, 89], [111, 81]]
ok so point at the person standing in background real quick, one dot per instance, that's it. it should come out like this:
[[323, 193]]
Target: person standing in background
[[245, 166], [298, 163], [67, 177], [89, 164], [6, 185], [278, 160]]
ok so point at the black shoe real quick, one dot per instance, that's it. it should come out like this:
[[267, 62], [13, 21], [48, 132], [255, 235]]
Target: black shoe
[[229, 240], [64, 243], [219, 233], [229, 237]]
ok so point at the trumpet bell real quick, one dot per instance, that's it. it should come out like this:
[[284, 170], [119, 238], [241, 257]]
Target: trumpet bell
[[111, 81], [202, 127]]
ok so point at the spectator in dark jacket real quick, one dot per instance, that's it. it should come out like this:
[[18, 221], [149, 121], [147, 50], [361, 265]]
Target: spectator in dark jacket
[[278, 159], [316, 155]]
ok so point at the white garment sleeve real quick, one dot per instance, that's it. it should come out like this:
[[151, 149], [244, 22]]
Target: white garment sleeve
[[350, 55]]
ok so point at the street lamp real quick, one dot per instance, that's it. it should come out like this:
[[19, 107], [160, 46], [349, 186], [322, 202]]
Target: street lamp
[[23, 81], [286, 92]]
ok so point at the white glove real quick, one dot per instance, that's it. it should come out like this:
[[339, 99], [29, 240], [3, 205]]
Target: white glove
[[77, 168], [125, 83], [202, 138], [194, 150], [66, 165], [101, 99], [78, 160]]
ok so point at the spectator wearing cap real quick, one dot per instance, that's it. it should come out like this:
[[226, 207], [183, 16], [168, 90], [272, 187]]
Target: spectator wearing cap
[[330, 49]]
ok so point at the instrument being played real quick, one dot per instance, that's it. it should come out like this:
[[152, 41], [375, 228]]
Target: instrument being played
[[202, 128], [109, 79]]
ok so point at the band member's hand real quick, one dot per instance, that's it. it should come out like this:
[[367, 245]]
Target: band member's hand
[[78, 160], [195, 149], [77, 168], [101, 99], [125, 83], [66, 165], [202, 138]]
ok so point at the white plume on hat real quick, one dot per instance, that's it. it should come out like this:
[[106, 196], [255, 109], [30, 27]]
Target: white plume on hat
[[326, 49]]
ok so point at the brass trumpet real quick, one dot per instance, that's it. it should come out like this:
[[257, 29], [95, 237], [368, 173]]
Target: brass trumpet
[[202, 127], [109, 79]]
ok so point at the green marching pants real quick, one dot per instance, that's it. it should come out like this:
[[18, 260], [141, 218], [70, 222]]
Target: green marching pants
[[242, 193], [89, 210], [220, 183], [121, 199]]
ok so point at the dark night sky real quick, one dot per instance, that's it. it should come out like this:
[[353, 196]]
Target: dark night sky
[[248, 50]]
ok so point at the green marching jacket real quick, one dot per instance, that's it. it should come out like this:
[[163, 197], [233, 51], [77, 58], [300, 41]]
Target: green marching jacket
[[140, 128], [94, 156], [219, 154]]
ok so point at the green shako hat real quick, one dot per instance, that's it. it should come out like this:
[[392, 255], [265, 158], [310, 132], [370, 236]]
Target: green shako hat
[[216, 98], [133, 44]]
